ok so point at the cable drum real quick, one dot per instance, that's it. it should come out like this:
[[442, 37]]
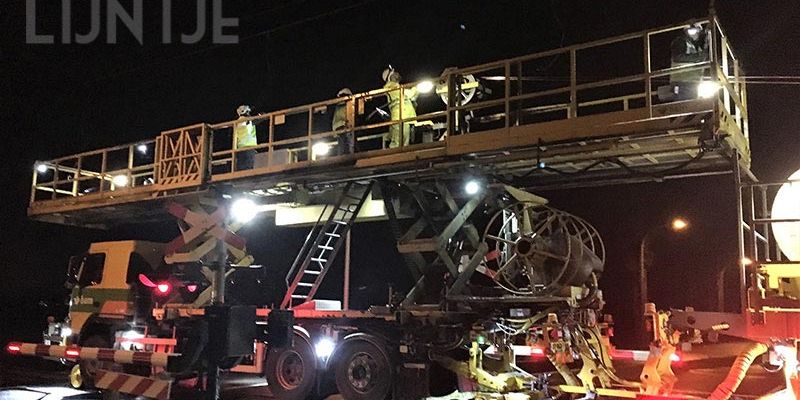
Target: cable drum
[[537, 250]]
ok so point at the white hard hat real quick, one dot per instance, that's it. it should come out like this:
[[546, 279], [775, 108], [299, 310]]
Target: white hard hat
[[243, 110], [387, 73], [344, 92], [694, 29]]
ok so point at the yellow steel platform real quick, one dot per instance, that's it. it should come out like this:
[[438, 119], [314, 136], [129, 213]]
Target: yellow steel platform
[[582, 126]]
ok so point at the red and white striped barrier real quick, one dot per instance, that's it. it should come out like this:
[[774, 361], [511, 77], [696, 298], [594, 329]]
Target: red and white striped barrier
[[155, 359], [133, 384]]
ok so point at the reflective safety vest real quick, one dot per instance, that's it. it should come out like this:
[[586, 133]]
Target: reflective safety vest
[[339, 117], [409, 95], [245, 133]]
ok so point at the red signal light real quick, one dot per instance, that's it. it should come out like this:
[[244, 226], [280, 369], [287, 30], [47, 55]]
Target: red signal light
[[14, 348], [163, 288], [191, 288]]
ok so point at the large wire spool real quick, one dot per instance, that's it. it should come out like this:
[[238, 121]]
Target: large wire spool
[[464, 95], [537, 250]]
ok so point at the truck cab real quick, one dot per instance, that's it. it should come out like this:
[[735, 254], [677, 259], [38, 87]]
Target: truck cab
[[105, 289]]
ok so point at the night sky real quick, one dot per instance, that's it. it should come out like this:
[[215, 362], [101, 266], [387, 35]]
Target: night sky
[[62, 99]]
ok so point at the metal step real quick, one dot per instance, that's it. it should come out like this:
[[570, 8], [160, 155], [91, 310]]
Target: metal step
[[323, 243]]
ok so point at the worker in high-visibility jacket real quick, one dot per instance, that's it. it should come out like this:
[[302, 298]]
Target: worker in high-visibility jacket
[[406, 109], [244, 132], [343, 122]]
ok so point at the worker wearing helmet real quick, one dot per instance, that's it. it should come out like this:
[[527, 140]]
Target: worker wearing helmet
[[399, 136], [244, 132], [689, 48], [343, 123]]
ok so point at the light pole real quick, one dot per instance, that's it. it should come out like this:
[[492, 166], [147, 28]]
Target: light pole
[[677, 224]]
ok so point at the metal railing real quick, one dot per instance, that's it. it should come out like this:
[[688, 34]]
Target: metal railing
[[114, 169], [619, 74], [758, 223]]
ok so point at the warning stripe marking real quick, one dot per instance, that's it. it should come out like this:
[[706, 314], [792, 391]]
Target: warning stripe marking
[[133, 384], [156, 359]]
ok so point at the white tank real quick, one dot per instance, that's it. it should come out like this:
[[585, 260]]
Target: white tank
[[787, 206]]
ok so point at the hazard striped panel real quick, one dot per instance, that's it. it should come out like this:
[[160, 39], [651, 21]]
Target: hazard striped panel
[[133, 384], [201, 238]]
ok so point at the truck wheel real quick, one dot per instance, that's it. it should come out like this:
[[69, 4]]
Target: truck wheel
[[88, 368], [363, 371], [292, 371], [75, 377]]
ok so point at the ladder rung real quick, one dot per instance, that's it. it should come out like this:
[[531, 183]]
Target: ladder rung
[[311, 272], [325, 247], [304, 284], [298, 296], [320, 260], [336, 235], [336, 221]]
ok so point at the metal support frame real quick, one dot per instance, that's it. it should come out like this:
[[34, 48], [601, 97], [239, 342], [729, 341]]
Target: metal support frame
[[439, 223]]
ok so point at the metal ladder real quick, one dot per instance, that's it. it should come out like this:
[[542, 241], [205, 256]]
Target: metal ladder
[[322, 244]]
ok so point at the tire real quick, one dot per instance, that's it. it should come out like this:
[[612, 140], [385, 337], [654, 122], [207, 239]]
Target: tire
[[88, 368], [363, 371], [291, 372], [76, 380]]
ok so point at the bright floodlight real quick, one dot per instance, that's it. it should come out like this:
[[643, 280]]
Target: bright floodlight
[[787, 207], [679, 224], [320, 149], [707, 89], [693, 30], [472, 187], [120, 180], [324, 347], [42, 168], [243, 210], [425, 86], [66, 331], [142, 148], [746, 261]]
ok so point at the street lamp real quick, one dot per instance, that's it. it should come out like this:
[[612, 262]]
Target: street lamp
[[677, 225]]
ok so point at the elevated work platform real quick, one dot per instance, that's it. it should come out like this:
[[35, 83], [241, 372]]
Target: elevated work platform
[[582, 115]]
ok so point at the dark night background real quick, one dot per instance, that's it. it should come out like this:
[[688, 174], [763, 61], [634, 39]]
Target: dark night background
[[62, 99]]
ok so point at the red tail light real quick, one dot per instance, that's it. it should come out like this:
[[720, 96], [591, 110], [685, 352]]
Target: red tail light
[[72, 353], [163, 288], [14, 348], [191, 288]]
